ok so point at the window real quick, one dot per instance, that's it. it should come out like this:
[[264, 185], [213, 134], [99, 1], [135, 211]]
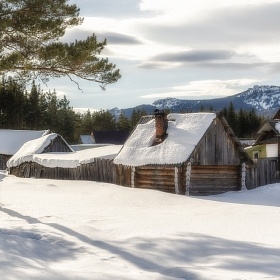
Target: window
[[256, 155]]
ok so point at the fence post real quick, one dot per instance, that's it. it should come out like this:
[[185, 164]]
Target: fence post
[[188, 177], [176, 180], [243, 176], [132, 176]]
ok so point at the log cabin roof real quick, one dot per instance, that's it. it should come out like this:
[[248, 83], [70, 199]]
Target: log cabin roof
[[183, 135], [12, 140], [184, 132]]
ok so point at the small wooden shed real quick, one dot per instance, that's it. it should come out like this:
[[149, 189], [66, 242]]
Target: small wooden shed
[[46, 144], [12, 140], [193, 153]]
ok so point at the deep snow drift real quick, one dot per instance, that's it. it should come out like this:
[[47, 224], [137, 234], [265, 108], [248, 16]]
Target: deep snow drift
[[86, 230]]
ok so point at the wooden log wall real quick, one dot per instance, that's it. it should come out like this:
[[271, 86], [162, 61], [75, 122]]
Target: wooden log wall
[[155, 177], [263, 172], [3, 161], [210, 180], [217, 147]]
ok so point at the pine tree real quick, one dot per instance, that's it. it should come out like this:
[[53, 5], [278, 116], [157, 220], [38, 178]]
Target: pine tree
[[34, 111], [135, 116], [103, 120], [123, 122], [31, 46], [231, 117]]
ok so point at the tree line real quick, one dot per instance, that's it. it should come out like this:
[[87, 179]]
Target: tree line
[[38, 110], [35, 109], [245, 124]]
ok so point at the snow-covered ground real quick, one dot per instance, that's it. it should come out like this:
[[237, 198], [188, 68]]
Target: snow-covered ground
[[86, 230]]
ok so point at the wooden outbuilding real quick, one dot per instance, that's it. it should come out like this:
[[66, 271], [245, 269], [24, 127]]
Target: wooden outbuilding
[[19, 163], [193, 153], [12, 140]]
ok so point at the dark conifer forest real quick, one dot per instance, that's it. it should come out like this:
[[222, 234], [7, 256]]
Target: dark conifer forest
[[38, 110]]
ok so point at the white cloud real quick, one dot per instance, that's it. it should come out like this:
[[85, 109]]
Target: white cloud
[[205, 88]]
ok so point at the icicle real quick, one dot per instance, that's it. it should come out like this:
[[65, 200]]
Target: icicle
[[188, 177], [176, 180], [132, 176], [243, 177]]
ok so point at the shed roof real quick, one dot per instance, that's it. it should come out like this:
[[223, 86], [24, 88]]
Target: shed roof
[[36, 146], [12, 140], [87, 139], [269, 132], [116, 137], [273, 125], [184, 133]]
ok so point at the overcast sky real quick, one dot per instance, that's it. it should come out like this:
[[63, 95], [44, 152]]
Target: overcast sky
[[188, 49]]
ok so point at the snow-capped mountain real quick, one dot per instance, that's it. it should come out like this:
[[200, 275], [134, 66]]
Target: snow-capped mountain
[[263, 99], [259, 97]]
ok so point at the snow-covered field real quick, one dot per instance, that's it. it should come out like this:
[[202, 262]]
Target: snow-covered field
[[86, 230]]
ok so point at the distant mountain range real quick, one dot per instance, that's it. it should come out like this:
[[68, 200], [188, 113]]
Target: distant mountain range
[[264, 99]]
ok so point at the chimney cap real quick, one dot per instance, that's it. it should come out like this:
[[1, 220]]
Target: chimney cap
[[159, 112]]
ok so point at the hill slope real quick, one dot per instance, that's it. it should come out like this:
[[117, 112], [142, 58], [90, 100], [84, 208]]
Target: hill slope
[[263, 99]]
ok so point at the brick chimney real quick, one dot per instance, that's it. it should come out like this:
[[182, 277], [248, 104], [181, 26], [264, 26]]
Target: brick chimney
[[161, 126]]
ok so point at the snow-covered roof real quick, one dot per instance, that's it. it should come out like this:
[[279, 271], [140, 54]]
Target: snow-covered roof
[[26, 152], [31, 151], [184, 133], [12, 140], [72, 160]]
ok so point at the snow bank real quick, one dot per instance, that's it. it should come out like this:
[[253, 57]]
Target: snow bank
[[12, 140], [184, 132], [59, 229]]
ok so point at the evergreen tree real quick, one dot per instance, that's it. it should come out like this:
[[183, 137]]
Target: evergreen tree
[[103, 120], [123, 122], [135, 116], [242, 125], [66, 120], [30, 45], [34, 110], [12, 105], [231, 117]]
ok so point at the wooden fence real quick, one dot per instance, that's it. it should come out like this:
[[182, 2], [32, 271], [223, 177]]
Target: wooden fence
[[101, 170], [264, 171], [3, 161], [203, 180]]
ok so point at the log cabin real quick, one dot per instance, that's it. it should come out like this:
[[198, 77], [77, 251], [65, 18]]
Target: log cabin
[[192, 154]]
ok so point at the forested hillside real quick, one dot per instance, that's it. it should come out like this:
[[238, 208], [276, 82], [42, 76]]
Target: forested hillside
[[34, 109]]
